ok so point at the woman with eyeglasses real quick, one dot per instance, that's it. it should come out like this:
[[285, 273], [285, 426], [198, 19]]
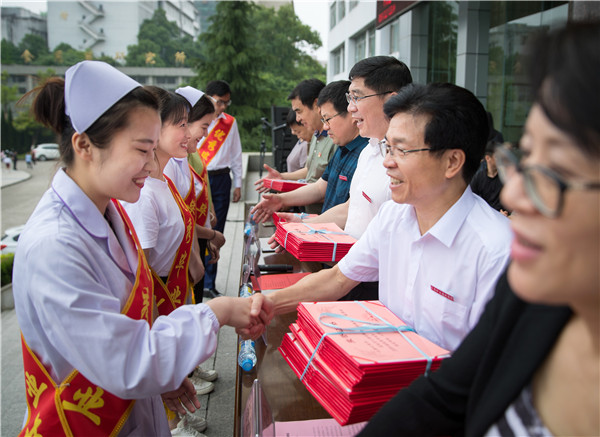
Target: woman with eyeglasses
[[531, 366]]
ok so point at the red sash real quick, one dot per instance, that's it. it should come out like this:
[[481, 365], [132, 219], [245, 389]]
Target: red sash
[[215, 138], [174, 293], [201, 202], [190, 197], [76, 407]]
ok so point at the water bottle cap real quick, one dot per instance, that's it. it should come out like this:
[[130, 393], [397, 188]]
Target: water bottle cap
[[247, 365]]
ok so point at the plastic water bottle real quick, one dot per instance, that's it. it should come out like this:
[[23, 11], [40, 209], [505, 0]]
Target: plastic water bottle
[[247, 355], [251, 227], [247, 352]]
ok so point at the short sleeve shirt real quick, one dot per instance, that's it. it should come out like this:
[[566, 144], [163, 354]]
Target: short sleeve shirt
[[320, 152], [439, 282]]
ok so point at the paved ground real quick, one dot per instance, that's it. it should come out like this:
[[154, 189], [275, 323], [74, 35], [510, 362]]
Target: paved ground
[[218, 406]]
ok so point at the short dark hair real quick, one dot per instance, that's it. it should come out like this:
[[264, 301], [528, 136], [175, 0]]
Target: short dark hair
[[457, 120], [307, 91], [203, 106], [290, 119], [382, 73], [335, 93], [217, 88], [172, 106], [564, 71]]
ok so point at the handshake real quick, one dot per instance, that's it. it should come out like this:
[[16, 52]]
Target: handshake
[[248, 315]]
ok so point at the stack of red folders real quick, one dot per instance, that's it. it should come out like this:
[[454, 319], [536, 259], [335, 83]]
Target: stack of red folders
[[314, 241], [363, 356], [282, 185]]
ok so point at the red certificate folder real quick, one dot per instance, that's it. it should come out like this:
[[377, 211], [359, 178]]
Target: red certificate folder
[[354, 356], [282, 185], [314, 241]]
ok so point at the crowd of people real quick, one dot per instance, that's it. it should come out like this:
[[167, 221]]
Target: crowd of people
[[489, 250]]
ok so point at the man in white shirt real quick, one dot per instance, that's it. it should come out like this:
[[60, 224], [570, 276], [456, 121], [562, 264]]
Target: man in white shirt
[[437, 249], [223, 137]]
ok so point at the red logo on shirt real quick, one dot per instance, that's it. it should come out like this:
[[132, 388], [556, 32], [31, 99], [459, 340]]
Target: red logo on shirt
[[367, 197], [343, 178], [441, 293]]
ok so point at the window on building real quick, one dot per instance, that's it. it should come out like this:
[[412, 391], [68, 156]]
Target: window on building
[[395, 36], [341, 9], [332, 15], [511, 25], [166, 80], [353, 4], [337, 60], [441, 44], [364, 45], [141, 79]]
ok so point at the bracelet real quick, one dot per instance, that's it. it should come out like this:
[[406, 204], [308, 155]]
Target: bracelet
[[214, 235]]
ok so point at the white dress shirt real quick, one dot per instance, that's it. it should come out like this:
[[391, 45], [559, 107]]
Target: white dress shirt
[[439, 282], [230, 153], [157, 220], [370, 187], [72, 277]]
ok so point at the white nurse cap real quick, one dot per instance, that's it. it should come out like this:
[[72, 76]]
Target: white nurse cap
[[191, 94], [91, 88]]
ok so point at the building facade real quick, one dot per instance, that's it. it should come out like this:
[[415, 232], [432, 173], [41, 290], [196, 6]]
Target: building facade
[[108, 27], [474, 44], [18, 22]]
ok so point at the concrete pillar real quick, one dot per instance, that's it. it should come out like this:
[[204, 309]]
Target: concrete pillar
[[472, 47]]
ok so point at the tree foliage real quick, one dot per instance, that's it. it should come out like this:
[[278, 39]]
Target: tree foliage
[[162, 38], [258, 50]]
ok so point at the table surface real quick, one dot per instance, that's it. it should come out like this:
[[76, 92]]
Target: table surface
[[288, 398]]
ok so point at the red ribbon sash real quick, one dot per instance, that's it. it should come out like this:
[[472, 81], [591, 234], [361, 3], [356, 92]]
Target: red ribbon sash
[[215, 139], [173, 294]]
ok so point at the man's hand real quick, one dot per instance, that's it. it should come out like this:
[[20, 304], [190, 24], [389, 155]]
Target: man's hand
[[237, 194], [264, 209], [184, 396], [271, 174]]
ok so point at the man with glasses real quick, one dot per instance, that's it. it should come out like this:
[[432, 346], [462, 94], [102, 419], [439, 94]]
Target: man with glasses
[[332, 188], [437, 249], [321, 148], [221, 151]]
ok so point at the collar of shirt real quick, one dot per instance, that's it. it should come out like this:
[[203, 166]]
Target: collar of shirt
[[356, 142], [318, 134], [446, 228], [85, 212]]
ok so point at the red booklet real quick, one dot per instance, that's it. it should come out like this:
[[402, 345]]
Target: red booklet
[[276, 281], [277, 218], [282, 185], [314, 241]]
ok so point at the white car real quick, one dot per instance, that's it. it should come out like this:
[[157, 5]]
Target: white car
[[10, 239], [46, 151]]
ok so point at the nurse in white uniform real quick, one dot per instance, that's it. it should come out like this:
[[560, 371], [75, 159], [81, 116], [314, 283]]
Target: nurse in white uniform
[[95, 360]]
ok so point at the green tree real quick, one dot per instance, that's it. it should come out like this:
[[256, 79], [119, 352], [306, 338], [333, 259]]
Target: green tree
[[258, 50], [10, 53], [35, 44], [228, 53], [161, 37]]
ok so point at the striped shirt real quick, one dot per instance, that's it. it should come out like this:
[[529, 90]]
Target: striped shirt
[[520, 419]]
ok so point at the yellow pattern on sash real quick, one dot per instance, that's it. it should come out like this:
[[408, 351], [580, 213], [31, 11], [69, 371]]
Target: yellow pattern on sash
[[86, 402], [33, 389]]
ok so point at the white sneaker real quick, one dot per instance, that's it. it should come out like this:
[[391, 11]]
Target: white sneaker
[[202, 387], [207, 375], [190, 420], [184, 431]]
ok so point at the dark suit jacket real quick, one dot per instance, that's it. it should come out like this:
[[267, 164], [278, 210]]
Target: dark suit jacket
[[472, 389]]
